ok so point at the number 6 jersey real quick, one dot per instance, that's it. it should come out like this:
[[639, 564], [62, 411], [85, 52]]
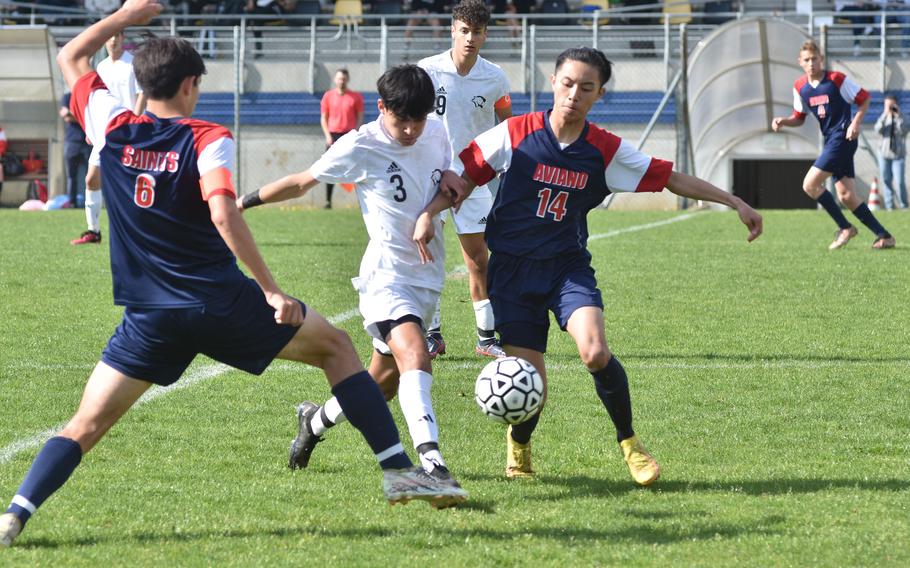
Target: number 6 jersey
[[393, 183], [157, 174], [546, 190]]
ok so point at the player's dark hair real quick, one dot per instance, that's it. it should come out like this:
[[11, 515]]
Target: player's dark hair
[[344, 71], [407, 92], [162, 63], [593, 57], [472, 12]]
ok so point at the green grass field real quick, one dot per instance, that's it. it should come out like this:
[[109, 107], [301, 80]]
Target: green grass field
[[770, 380]]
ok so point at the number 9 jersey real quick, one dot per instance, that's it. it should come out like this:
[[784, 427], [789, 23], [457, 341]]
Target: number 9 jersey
[[157, 174], [546, 190], [393, 183]]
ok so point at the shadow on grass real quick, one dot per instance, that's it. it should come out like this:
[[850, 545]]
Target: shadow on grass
[[583, 486], [646, 530], [303, 244]]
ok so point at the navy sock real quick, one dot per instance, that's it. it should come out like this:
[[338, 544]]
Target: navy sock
[[863, 214], [52, 467], [366, 409], [826, 200], [521, 433], [612, 387]]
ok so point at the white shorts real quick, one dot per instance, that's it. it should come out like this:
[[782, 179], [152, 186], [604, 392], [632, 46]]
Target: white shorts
[[471, 218], [94, 159], [379, 303]]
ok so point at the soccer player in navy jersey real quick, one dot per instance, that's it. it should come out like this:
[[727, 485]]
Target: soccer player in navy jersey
[[829, 95], [555, 167], [176, 235]]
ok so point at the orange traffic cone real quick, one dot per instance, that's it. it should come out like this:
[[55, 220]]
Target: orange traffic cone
[[875, 198]]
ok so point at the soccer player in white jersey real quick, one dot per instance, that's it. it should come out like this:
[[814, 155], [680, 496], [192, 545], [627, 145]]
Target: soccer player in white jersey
[[116, 70], [396, 164], [472, 95]]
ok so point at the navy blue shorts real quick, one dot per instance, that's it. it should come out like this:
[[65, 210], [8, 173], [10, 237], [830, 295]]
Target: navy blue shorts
[[523, 291], [157, 345], [837, 157]]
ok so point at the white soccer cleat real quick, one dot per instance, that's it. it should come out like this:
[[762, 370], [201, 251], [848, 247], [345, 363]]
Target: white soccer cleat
[[403, 485], [10, 527]]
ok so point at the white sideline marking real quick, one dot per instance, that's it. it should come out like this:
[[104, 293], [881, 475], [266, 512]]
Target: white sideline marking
[[210, 371], [643, 227]]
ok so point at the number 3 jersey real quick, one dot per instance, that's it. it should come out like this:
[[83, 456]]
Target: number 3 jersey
[[157, 175], [394, 183], [546, 190]]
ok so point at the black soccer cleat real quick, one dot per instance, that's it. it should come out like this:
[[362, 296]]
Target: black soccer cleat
[[302, 446]]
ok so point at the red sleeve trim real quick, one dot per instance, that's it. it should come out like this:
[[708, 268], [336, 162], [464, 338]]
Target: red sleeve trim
[[3, 146], [82, 90], [126, 117], [226, 192], [520, 127], [837, 78], [475, 166], [204, 133], [797, 114], [861, 97], [655, 179], [606, 142], [217, 182], [800, 83]]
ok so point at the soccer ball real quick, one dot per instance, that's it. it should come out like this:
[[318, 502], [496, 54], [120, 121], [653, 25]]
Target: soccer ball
[[509, 390]]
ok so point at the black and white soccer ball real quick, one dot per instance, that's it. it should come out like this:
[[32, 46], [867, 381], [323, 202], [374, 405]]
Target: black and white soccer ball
[[509, 390]]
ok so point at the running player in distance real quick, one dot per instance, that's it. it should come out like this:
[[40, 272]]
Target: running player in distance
[[829, 95]]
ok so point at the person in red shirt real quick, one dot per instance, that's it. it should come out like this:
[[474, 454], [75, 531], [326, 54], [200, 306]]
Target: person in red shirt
[[342, 111]]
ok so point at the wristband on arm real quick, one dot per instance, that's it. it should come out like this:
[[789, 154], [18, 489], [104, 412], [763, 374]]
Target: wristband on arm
[[252, 200]]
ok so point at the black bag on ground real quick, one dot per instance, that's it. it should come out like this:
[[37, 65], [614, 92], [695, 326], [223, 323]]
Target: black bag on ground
[[12, 165]]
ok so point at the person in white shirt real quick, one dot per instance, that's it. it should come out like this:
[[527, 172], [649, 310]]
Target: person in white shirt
[[472, 95], [398, 164], [116, 70]]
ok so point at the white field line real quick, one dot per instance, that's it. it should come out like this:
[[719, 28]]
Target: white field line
[[210, 371]]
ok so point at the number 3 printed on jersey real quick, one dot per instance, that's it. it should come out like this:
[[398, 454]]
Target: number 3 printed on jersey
[[400, 192], [557, 207], [145, 191]]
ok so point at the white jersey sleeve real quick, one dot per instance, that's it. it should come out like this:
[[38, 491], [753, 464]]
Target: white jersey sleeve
[[798, 106], [488, 154], [94, 107], [631, 170], [340, 163]]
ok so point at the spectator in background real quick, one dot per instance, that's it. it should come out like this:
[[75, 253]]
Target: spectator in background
[[102, 7], [341, 111], [75, 152], [892, 126], [861, 24], [277, 8], [511, 7], [423, 7]]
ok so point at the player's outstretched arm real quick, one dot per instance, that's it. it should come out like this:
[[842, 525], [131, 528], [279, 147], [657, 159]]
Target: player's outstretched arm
[[288, 187], [856, 124], [424, 230], [696, 188], [781, 121], [75, 57], [236, 234]]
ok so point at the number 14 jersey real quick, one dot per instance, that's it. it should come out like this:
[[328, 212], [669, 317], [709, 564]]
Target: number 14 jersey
[[545, 190]]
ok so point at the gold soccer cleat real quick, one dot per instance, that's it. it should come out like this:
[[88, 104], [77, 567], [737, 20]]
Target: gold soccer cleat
[[642, 466], [518, 458]]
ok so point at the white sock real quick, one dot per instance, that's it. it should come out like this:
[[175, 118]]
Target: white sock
[[93, 209], [431, 459], [414, 398], [333, 415], [483, 315], [437, 315]]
